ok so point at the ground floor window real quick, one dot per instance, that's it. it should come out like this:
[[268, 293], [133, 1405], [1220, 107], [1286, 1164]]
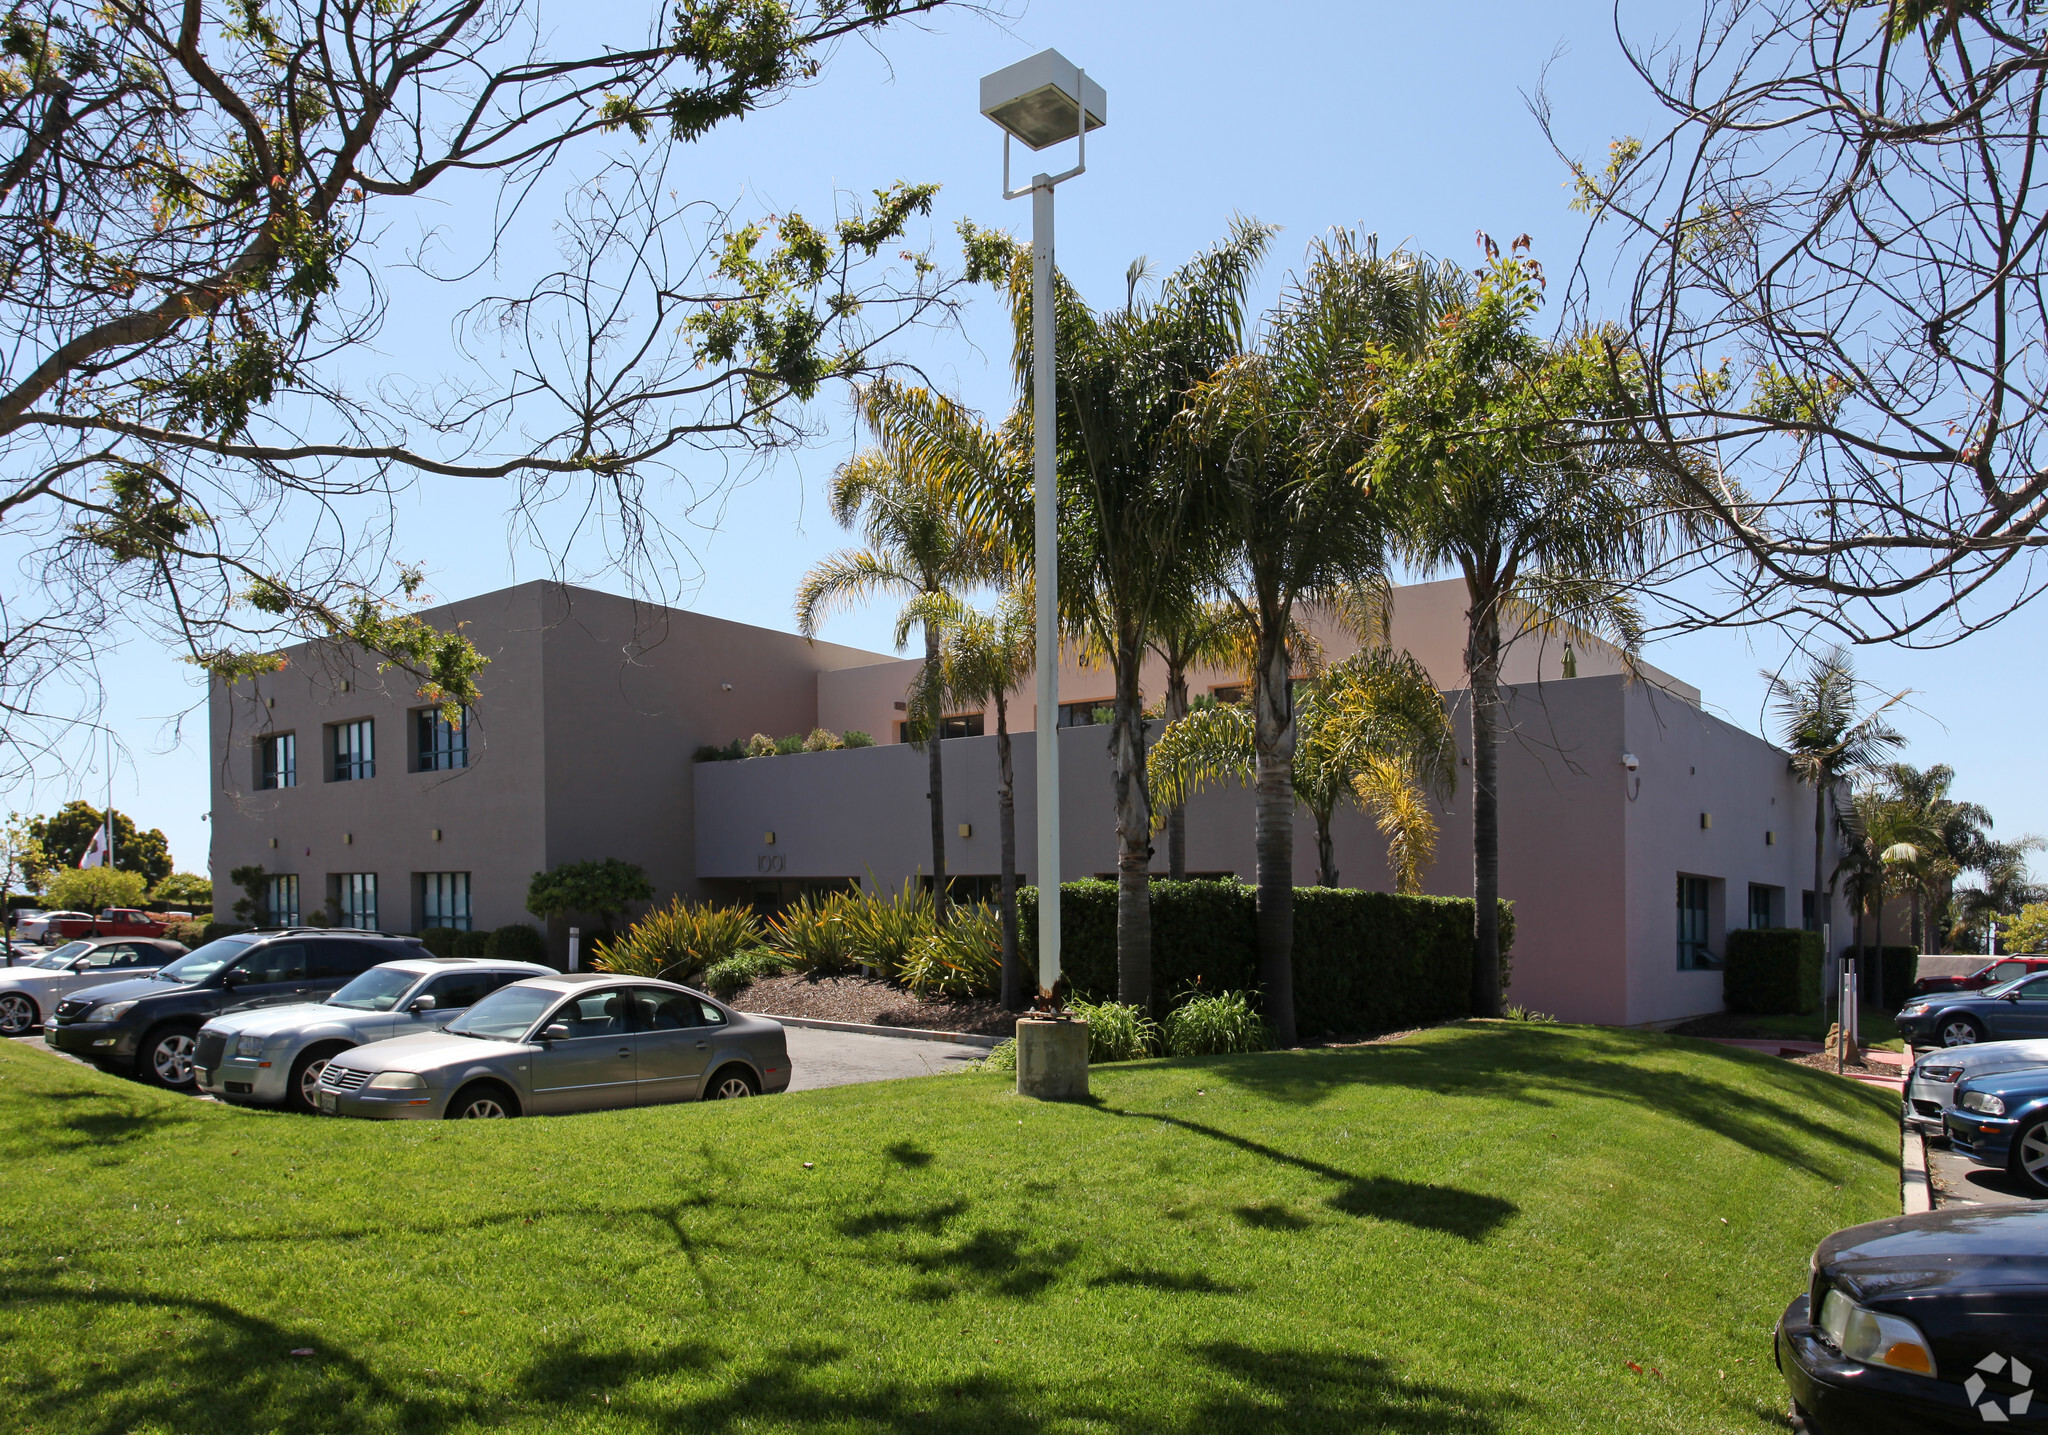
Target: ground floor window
[[1763, 905], [355, 896], [959, 725], [974, 887], [281, 902], [1090, 712], [1692, 925], [444, 900], [1807, 919]]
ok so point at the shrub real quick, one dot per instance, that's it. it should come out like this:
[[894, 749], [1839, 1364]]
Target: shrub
[[678, 941], [731, 752], [94, 889], [881, 932], [1522, 1013], [603, 888], [1213, 1025], [760, 745], [1001, 1057], [441, 940], [963, 960], [1901, 966], [190, 934], [1363, 961], [187, 890], [789, 744], [811, 933], [1117, 1031], [518, 942], [724, 978], [854, 737], [1774, 969], [214, 931], [821, 740], [472, 944]]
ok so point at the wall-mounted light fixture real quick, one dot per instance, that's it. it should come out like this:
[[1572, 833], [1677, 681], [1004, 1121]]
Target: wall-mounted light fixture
[[273, 842], [966, 829], [1770, 838], [437, 834], [1706, 820], [347, 838], [768, 838]]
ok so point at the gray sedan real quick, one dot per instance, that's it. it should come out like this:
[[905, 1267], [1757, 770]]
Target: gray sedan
[[273, 1056], [29, 993], [582, 1042]]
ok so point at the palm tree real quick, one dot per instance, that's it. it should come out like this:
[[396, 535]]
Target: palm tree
[[1490, 465], [1192, 633], [983, 658], [1950, 836], [1372, 729], [1129, 536], [921, 544], [1830, 740]]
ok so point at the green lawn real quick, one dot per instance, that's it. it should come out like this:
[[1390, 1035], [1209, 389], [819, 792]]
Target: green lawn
[[1474, 1230]]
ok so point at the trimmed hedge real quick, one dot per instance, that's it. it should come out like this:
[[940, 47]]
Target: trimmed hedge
[[1363, 961], [1772, 969], [1901, 969], [518, 943], [213, 931]]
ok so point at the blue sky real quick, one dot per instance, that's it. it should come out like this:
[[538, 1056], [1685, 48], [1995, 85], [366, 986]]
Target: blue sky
[[1406, 120]]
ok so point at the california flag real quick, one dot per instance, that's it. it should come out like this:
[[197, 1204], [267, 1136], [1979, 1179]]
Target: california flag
[[96, 854]]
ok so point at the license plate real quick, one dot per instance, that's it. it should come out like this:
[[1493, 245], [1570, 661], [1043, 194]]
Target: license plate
[[329, 1101]]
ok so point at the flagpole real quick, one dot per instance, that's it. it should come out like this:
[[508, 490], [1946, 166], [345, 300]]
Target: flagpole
[[110, 799]]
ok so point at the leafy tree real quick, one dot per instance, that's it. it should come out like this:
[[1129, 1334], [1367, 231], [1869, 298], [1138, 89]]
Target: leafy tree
[[198, 201], [1949, 838], [604, 889], [924, 544], [67, 834], [252, 905], [22, 862], [188, 890], [1489, 455], [94, 889], [983, 658], [2027, 931], [2007, 888]]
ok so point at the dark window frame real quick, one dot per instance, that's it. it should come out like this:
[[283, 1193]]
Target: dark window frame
[[439, 746], [357, 760], [1695, 924], [277, 761]]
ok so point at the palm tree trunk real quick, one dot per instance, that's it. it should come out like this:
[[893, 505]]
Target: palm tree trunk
[[1133, 830], [937, 783], [1273, 768], [1176, 815], [1326, 852], [1006, 829], [1482, 661]]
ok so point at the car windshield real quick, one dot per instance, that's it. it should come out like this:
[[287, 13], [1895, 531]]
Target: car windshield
[[196, 967], [505, 1014], [65, 955], [378, 989]]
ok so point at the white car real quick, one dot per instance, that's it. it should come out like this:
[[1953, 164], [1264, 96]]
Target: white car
[[29, 992], [37, 928], [273, 1056], [1931, 1085]]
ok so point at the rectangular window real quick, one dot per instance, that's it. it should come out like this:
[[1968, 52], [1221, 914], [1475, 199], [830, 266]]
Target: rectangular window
[[1763, 903], [355, 895], [1693, 955], [1087, 713], [444, 900], [279, 765], [961, 725], [355, 750], [1806, 917], [443, 746], [281, 902]]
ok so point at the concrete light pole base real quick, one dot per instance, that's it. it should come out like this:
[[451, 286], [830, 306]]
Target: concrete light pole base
[[1052, 1059]]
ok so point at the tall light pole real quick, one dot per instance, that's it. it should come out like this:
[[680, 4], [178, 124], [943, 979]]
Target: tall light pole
[[1044, 101]]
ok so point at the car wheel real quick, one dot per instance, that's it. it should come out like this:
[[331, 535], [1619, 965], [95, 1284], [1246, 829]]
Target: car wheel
[[731, 1083], [484, 1102], [17, 1014], [302, 1092], [2029, 1159], [1961, 1031], [167, 1057]]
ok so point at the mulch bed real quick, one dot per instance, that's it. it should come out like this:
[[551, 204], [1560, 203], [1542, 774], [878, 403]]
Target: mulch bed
[[1821, 1061], [875, 1002]]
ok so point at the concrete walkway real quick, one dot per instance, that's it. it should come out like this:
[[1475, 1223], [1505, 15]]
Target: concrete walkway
[[841, 1058]]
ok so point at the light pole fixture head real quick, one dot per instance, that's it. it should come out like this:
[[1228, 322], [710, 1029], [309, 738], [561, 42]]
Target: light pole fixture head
[[1041, 100]]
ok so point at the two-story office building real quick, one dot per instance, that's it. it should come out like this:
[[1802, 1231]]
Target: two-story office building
[[1637, 828]]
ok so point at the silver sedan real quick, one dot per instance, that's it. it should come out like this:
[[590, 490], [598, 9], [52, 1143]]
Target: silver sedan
[[1931, 1084], [582, 1042], [29, 993], [273, 1056]]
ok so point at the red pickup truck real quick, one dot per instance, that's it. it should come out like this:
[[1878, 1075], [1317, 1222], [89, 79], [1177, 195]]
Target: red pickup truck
[[113, 922]]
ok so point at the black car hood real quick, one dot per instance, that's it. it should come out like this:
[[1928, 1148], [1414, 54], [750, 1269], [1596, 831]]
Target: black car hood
[[124, 991], [1960, 1248]]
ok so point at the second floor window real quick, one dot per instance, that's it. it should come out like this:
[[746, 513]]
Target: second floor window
[[443, 745], [279, 766], [355, 750]]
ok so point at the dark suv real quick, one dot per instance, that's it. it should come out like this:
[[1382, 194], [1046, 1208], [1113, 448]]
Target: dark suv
[[150, 1025]]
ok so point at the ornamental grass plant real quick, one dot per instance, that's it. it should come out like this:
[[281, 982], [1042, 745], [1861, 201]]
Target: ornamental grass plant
[[678, 941], [1214, 1025], [1117, 1031]]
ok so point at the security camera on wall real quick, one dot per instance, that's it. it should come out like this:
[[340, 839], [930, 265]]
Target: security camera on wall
[[1628, 760]]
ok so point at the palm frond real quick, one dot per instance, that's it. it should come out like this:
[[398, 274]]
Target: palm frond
[[1208, 746]]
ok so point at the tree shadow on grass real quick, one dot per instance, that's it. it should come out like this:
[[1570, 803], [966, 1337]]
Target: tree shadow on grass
[[1544, 1065], [1289, 1390], [1177, 1282], [1471, 1215], [80, 1119], [212, 1368]]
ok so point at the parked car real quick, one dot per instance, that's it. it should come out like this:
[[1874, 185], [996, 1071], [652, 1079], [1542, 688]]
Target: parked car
[[112, 922], [1935, 1322], [36, 928], [274, 1057], [151, 1026], [2011, 1011], [581, 1042], [2001, 1120], [29, 992], [1998, 969], [1931, 1084]]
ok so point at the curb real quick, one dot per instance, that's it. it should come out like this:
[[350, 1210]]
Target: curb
[[1915, 1196], [864, 1029]]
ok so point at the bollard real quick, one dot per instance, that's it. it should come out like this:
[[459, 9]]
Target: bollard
[[1052, 1059]]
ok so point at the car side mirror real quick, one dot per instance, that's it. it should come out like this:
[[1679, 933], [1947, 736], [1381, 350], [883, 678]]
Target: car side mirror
[[555, 1031], [422, 1004], [232, 979], [2011, 996]]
